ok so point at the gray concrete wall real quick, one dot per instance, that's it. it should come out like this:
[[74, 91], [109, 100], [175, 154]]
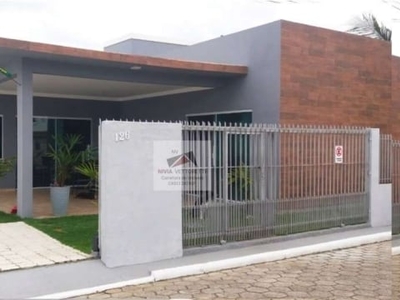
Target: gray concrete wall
[[142, 47], [258, 48], [140, 217], [259, 44], [66, 108]]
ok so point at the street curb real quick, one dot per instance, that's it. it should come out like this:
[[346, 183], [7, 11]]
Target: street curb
[[170, 273], [396, 250], [197, 269], [96, 289]]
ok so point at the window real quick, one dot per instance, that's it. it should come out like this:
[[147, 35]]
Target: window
[[238, 144], [244, 117], [238, 149]]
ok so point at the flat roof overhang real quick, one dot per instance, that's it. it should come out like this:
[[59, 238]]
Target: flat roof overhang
[[99, 75]]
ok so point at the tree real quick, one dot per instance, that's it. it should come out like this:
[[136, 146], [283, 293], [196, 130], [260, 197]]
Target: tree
[[393, 3], [369, 26]]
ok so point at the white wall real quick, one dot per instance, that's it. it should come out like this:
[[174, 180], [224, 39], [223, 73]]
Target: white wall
[[380, 194], [138, 222], [382, 206]]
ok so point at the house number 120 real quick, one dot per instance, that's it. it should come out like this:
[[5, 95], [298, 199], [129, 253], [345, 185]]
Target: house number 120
[[122, 136]]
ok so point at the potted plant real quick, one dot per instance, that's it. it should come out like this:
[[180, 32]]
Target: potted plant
[[66, 157], [241, 183], [90, 169]]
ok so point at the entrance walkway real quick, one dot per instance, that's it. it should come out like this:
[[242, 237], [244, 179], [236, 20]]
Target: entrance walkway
[[42, 205], [363, 273], [22, 246]]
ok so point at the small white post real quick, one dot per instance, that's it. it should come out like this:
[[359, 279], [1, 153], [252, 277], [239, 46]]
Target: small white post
[[380, 194], [140, 217]]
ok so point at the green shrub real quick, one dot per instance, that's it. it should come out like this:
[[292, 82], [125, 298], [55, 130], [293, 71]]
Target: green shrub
[[6, 166]]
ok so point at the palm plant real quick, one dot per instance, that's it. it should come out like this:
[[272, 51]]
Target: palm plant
[[393, 3], [89, 168], [241, 180], [66, 157], [369, 26]]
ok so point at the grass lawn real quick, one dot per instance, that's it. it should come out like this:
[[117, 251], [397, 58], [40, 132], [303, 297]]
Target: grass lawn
[[74, 231], [8, 218]]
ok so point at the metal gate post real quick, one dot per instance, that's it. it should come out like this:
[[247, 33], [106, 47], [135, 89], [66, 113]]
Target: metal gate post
[[225, 181], [380, 204], [263, 179]]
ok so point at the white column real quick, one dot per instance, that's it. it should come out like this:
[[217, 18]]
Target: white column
[[140, 214], [380, 194], [24, 141]]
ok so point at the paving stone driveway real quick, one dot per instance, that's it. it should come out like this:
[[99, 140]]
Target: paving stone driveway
[[396, 277], [363, 273]]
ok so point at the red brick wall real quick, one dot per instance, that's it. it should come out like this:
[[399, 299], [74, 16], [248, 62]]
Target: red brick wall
[[395, 116], [334, 78]]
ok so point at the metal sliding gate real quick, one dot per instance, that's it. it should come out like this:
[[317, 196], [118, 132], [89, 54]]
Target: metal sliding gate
[[259, 181]]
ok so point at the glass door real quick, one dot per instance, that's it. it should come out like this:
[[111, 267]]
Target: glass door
[[43, 136], [45, 130], [237, 152], [237, 147]]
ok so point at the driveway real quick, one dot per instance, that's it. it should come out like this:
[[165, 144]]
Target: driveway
[[396, 277], [363, 273], [22, 246]]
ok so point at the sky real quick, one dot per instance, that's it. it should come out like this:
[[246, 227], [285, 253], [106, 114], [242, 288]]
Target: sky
[[93, 24]]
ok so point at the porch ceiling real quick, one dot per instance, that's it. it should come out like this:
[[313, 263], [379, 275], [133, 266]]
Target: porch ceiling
[[95, 89], [65, 72]]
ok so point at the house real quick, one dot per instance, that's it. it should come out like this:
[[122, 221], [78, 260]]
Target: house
[[281, 72]]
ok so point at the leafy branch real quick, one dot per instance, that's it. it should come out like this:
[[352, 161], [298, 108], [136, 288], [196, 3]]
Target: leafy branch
[[369, 26]]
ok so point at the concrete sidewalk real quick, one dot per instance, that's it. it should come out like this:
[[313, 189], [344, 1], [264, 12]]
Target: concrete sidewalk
[[92, 274], [396, 276], [22, 246]]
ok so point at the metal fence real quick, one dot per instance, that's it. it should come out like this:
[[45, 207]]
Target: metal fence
[[258, 181], [396, 188], [386, 149]]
